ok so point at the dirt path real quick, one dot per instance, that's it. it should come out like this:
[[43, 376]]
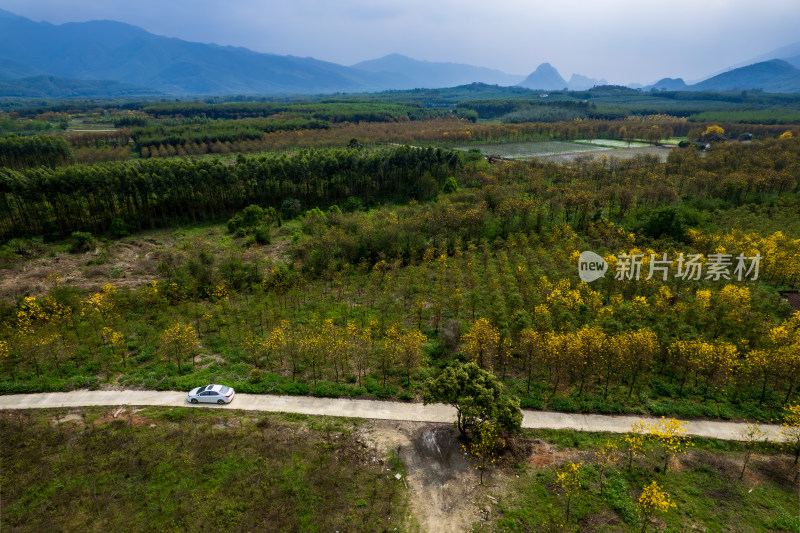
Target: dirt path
[[371, 409]]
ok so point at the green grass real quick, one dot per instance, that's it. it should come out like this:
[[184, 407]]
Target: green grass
[[704, 485], [187, 469]]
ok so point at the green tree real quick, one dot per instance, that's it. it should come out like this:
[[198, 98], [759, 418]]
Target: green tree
[[477, 396], [484, 447]]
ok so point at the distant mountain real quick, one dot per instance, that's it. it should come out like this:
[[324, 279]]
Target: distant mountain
[[668, 84], [774, 76], [10, 69], [545, 77], [53, 87], [789, 53], [105, 50], [581, 83], [412, 73]]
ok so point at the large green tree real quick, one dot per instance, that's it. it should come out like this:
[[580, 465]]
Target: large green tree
[[476, 394]]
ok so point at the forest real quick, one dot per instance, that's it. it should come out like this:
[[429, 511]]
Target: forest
[[370, 246]]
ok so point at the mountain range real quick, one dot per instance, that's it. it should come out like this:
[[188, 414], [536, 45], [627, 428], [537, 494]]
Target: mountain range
[[108, 59]]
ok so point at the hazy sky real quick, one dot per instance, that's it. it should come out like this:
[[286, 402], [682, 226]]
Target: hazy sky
[[621, 40]]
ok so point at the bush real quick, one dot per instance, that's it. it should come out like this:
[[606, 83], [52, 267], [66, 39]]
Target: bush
[[118, 228], [563, 403], [326, 389], [376, 389], [617, 497], [530, 403], [450, 186], [81, 242], [292, 388]]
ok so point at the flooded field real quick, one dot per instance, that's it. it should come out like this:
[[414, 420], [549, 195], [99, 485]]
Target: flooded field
[[562, 151], [523, 150], [661, 152]]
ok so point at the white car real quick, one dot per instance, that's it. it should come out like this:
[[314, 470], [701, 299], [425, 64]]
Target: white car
[[211, 394]]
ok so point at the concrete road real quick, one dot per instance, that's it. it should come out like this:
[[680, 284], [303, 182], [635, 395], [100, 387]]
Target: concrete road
[[376, 409]]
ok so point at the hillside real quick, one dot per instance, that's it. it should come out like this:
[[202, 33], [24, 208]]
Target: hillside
[[106, 50], [55, 87], [774, 76], [545, 77], [412, 73]]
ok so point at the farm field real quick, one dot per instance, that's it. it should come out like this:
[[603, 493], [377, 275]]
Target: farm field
[[613, 143], [524, 150], [564, 152], [659, 152]]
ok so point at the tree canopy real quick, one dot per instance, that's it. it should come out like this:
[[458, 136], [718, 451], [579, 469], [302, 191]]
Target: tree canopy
[[476, 394]]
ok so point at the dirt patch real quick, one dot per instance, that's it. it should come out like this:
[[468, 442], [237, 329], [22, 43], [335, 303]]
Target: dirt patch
[[543, 454], [124, 263], [443, 488], [72, 417], [599, 521]]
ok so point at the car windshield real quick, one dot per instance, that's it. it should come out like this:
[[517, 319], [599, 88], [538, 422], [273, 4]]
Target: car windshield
[[201, 389], [225, 390]]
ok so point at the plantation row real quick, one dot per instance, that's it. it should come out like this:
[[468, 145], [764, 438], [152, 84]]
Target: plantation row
[[328, 110], [158, 192], [23, 152], [490, 305], [222, 131]]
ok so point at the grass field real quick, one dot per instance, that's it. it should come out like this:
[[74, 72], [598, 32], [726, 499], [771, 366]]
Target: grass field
[[107, 469], [179, 469]]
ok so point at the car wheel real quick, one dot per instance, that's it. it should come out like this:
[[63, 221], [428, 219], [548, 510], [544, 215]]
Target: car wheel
[[194, 400], [220, 402]]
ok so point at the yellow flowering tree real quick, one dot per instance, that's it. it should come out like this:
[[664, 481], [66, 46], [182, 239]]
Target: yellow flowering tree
[[669, 435], [484, 446], [606, 456], [178, 342], [636, 442], [653, 500], [570, 479], [751, 435], [406, 348], [790, 432], [114, 342], [480, 341]]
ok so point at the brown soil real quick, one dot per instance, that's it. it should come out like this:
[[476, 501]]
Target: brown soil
[[127, 264], [444, 492], [543, 455]]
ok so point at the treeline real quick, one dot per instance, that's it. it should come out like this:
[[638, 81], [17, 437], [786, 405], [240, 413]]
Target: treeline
[[518, 110], [219, 131], [154, 193], [332, 111], [25, 152], [99, 139]]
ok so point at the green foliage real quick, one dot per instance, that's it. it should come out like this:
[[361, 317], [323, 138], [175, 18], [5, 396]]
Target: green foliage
[[82, 242], [450, 185], [254, 221], [616, 494], [212, 132], [477, 395], [669, 221], [159, 192], [25, 152]]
